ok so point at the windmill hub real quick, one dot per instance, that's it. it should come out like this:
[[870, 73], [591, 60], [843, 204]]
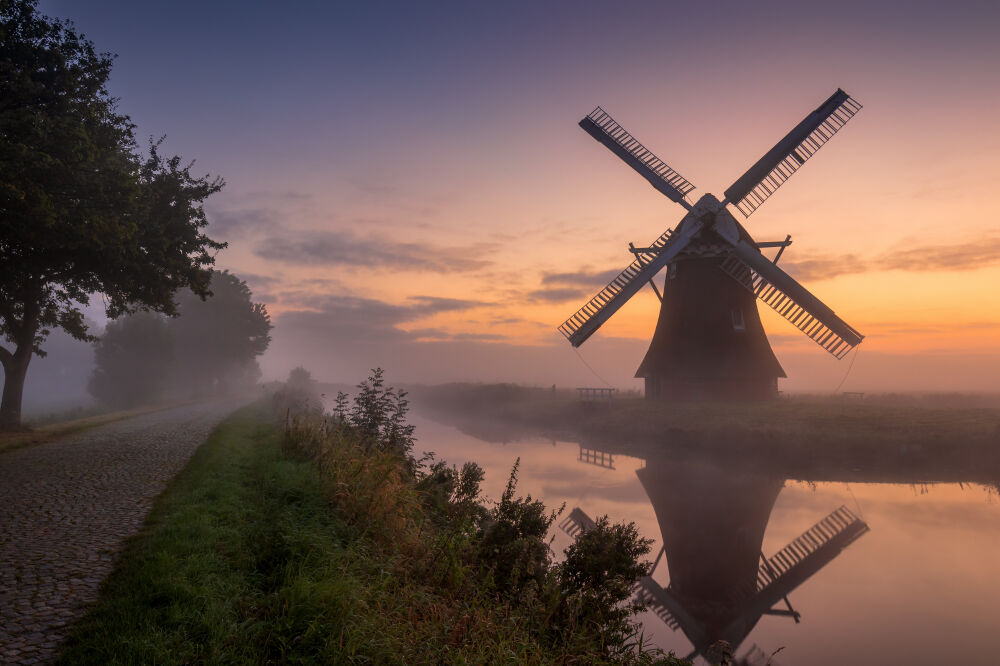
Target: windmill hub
[[709, 342]]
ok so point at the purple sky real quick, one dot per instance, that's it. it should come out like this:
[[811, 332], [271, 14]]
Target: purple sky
[[405, 179]]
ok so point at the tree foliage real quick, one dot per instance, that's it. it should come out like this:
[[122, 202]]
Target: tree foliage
[[132, 360], [209, 347], [82, 210], [218, 338], [597, 577]]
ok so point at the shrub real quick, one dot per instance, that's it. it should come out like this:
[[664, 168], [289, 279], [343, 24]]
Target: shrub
[[487, 572]]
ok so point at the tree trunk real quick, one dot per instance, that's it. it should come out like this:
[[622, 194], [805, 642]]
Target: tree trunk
[[15, 368]]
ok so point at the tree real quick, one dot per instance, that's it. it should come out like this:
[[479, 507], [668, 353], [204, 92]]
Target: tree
[[217, 340], [132, 360], [82, 212], [210, 346]]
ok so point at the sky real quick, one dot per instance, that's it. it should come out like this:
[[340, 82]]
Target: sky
[[407, 185]]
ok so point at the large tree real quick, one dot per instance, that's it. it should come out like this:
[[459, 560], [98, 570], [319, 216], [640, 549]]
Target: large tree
[[82, 210]]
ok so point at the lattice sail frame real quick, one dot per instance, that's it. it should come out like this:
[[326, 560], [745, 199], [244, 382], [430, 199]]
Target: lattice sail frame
[[606, 296], [770, 172], [600, 125], [788, 308]]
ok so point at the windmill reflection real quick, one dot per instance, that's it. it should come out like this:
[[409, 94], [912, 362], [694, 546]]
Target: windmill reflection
[[712, 523]]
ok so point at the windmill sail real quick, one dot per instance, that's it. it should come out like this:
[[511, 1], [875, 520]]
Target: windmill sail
[[603, 127], [609, 300], [652, 595], [799, 560], [777, 166], [576, 522], [791, 300]]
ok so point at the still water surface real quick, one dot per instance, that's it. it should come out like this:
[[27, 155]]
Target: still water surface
[[908, 574]]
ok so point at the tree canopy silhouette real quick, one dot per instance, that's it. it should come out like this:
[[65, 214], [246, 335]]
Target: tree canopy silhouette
[[82, 210], [211, 346], [132, 361], [217, 340]]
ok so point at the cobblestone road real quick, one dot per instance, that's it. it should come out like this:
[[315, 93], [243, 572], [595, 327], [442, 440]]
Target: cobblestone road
[[66, 507]]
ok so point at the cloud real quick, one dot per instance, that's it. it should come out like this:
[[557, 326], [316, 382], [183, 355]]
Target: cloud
[[964, 256], [581, 284], [581, 278], [354, 320], [341, 248], [439, 335], [428, 305], [823, 267], [282, 196], [235, 222], [968, 255], [257, 280], [558, 294]]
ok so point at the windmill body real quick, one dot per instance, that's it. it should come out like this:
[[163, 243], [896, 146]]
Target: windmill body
[[709, 342]]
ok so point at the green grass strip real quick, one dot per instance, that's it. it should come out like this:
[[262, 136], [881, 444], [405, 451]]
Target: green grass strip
[[244, 561], [213, 576]]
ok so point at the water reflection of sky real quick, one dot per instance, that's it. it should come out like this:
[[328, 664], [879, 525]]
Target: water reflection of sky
[[922, 587]]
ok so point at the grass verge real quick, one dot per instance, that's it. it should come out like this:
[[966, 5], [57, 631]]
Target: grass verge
[[254, 556], [219, 573]]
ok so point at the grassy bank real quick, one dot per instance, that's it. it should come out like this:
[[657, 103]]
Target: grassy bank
[[880, 438], [212, 576], [255, 555]]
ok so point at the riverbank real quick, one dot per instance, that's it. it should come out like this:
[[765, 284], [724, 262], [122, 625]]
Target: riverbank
[[887, 439], [269, 549]]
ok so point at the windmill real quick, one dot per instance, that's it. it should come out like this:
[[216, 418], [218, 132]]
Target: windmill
[[709, 342]]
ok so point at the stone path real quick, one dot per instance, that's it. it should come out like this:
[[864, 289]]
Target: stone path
[[66, 508]]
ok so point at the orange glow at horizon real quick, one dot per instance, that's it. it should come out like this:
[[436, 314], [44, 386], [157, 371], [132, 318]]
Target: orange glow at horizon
[[489, 199]]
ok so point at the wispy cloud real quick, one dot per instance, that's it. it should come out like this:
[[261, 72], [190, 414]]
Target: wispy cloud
[[341, 248], [584, 277], [438, 335], [561, 287], [967, 255], [350, 319], [257, 280], [558, 294], [963, 256], [239, 222], [823, 267]]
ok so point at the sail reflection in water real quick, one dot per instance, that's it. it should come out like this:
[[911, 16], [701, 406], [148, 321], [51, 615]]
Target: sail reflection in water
[[921, 587], [712, 525]]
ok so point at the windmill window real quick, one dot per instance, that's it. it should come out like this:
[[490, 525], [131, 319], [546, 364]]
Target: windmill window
[[672, 271], [738, 323]]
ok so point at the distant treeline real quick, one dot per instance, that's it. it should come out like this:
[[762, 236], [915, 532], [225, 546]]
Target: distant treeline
[[209, 348]]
